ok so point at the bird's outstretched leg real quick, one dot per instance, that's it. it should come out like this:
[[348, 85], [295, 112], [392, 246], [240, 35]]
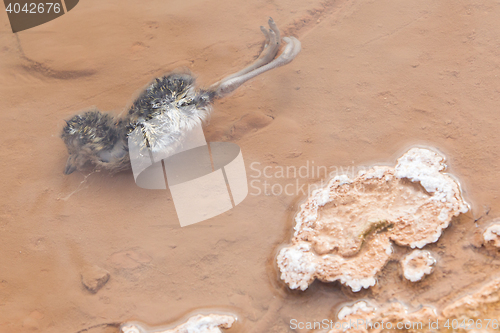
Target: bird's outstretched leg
[[264, 63], [273, 42]]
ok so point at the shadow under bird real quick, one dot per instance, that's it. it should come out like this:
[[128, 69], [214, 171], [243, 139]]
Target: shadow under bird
[[168, 108]]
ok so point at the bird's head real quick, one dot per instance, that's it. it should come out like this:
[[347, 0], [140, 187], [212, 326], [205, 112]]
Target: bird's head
[[88, 136]]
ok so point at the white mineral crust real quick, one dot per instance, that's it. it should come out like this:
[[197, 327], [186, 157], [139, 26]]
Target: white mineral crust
[[492, 235], [344, 231], [417, 264], [211, 323]]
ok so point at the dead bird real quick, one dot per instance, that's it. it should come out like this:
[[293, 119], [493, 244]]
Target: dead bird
[[163, 113]]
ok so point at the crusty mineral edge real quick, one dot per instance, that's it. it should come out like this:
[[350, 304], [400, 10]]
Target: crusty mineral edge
[[417, 264], [344, 231], [211, 323], [478, 312], [492, 235]]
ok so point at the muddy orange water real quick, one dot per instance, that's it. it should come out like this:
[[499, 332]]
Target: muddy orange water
[[373, 79]]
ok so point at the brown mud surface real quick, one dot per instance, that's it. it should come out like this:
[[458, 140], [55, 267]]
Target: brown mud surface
[[373, 79]]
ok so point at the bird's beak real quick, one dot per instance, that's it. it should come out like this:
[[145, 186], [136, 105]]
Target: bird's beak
[[70, 165]]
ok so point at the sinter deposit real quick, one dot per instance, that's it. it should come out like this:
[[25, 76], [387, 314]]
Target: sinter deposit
[[387, 318], [417, 264], [492, 235], [478, 312], [344, 231], [211, 323]]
